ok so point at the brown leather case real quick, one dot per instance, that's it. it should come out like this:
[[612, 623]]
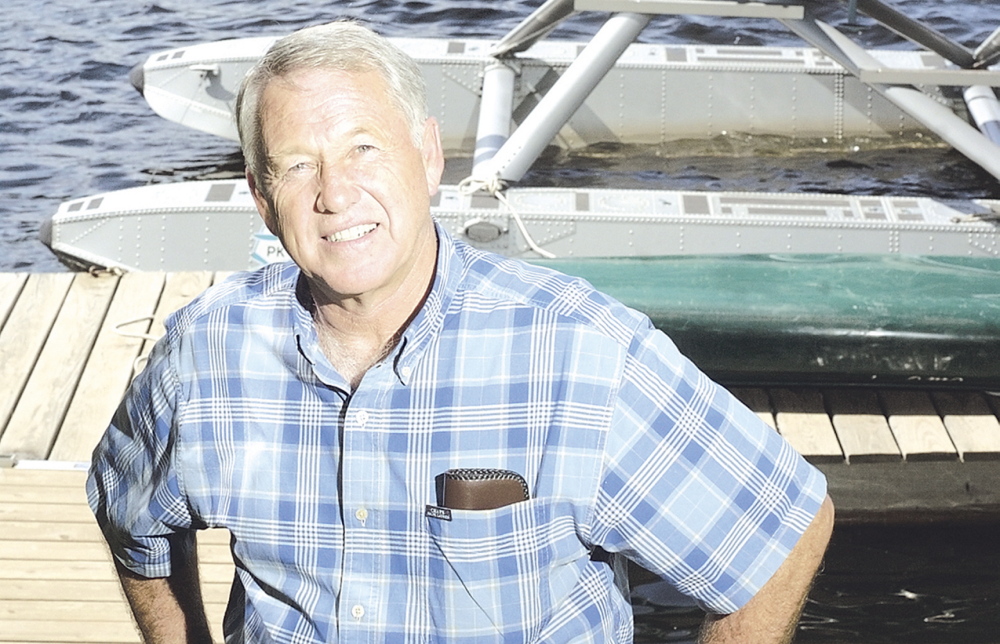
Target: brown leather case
[[482, 489]]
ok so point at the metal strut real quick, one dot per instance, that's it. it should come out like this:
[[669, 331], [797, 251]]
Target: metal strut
[[568, 93], [502, 156]]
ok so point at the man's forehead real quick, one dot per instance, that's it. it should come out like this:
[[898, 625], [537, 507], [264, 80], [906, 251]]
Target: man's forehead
[[310, 89], [304, 78], [324, 114]]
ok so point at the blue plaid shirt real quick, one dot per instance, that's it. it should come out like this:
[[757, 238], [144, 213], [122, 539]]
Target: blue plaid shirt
[[239, 421]]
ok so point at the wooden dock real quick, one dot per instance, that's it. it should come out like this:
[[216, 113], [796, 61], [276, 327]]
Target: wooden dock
[[71, 342]]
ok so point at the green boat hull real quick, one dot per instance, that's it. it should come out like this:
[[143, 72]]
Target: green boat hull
[[818, 320]]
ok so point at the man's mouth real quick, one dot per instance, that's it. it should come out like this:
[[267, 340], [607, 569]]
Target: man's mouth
[[350, 234]]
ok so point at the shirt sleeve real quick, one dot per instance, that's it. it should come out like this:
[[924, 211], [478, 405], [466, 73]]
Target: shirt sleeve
[[696, 488], [133, 486]]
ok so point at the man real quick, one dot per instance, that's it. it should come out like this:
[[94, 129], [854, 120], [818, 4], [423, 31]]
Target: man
[[312, 409]]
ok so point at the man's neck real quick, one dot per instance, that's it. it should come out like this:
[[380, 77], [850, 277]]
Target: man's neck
[[356, 334], [353, 355]]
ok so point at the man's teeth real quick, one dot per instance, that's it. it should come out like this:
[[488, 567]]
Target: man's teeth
[[352, 233]]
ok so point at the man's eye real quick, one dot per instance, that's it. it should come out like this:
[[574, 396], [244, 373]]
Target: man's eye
[[298, 170]]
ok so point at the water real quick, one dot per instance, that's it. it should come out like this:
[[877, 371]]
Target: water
[[901, 584], [70, 126]]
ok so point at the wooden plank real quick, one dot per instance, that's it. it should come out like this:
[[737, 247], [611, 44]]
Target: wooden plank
[[86, 551], [35, 422], [77, 617], [47, 531], [97, 632], [10, 287], [803, 421], [83, 610], [52, 550], [79, 612], [57, 582], [180, 288], [74, 478], [110, 366], [23, 529], [34, 589], [42, 496], [758, 402], [52, 631], [919, 431], [71, 513], [92, 570], [214, 536], [861, 426], [56, 570], [971, 423], [98, 591], [24, 335]]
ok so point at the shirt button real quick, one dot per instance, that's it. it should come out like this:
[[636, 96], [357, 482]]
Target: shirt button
[[406, 371], [362, 515], [362, 417], [357, 611]]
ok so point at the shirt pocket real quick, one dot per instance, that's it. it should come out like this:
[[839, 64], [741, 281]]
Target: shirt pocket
[[499, 572]]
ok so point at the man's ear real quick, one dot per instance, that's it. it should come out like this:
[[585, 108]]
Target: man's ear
[[264, 205], [433, 155]]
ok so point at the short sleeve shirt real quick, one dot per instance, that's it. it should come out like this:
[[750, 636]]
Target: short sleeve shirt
[[239, 421]]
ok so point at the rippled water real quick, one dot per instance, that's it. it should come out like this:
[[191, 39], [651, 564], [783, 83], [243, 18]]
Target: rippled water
[[70, 125]]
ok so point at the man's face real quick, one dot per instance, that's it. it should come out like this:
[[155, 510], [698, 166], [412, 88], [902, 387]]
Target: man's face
[[349, 192]]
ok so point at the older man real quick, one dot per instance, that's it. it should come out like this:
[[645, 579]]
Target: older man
[[312, 409]]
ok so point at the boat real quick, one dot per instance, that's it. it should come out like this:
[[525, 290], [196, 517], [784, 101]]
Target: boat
[[503, 103], [625, 93], [700, 91]]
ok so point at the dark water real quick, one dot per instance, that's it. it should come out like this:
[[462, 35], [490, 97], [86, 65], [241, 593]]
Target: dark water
[[900, 584], [70, 125]]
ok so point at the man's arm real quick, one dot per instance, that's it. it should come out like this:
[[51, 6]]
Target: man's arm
[[772, 615], [168, 609]]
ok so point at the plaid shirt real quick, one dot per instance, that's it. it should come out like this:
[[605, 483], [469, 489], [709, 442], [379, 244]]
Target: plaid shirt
[[239, 421]]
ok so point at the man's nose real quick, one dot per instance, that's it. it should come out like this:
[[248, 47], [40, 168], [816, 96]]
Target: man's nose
[[337, 190]]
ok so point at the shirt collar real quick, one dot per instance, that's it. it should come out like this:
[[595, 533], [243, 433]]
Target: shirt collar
[[424, 326], [307, 338], [430, 318]]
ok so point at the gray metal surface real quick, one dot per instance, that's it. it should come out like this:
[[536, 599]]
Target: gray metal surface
[[727, 8], [567, 94], [215, 226], [653, 95]]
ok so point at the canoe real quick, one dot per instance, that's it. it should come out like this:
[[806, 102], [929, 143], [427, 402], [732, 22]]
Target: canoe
[[793, 320]]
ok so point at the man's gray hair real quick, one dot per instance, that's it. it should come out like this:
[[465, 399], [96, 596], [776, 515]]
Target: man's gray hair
[[341, 46]]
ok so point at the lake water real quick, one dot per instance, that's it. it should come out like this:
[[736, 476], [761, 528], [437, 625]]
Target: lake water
[[71, 125], [903, 584]]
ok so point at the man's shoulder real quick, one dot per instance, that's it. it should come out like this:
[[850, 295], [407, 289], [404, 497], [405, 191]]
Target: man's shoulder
[[511, 281], [267, 286]]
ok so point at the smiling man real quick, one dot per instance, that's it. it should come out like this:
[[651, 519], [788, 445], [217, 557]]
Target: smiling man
[[345, 183], [325, 410]]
